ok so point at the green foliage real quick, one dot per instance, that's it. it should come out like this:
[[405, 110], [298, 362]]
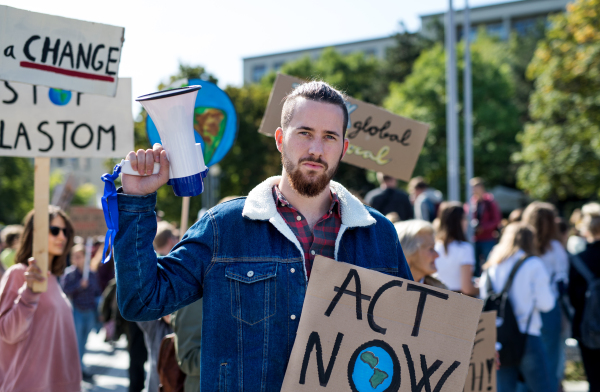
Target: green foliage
[[400, 58], [561, 146], [16, 189], [253, 157], [355, 74], [84, 195], [422, 96]]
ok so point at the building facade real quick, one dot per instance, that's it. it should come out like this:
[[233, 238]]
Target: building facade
[[497, 19], [500, 19]]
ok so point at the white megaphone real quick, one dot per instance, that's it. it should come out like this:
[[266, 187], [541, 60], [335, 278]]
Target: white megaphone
[[172, 112]]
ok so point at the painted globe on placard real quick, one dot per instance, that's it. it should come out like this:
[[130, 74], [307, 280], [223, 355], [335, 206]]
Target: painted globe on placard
[[59, 97], [374, 367]]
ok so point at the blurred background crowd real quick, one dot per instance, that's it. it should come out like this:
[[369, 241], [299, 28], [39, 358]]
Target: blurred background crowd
[[548, 295], [536, 144]]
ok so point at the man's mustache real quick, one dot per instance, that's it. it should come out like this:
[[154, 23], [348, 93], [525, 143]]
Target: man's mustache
[[316, 160]]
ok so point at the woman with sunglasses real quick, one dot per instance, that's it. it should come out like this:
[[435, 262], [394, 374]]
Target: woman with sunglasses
[[38, 344]]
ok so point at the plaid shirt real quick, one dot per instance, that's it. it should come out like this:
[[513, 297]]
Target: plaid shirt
[[319, 241]]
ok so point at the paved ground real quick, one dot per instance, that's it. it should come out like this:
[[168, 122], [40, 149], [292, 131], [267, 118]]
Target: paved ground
[[109, 365]]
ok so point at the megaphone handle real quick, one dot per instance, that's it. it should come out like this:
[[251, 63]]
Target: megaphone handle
[[126, 168]]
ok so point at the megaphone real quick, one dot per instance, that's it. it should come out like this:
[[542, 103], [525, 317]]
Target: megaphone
[[172, 111]]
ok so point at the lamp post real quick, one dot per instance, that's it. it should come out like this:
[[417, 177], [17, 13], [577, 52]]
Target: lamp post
[[451, 108], [468, 96]]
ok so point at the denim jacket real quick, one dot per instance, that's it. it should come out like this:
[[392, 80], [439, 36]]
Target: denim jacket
[[246, 263]]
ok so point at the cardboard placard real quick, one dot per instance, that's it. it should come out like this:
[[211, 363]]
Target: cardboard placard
[[59, 52], [37, 121], [87, 221], [362, 330], [482, 368], [379, 140]]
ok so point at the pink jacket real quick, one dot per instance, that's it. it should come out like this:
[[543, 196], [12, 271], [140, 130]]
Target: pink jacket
[[38, 346]]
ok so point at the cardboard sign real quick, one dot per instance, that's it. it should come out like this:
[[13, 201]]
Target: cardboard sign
[[37, 121], [59, 52], [87, 221], [482, 368], [379, 140], [362, 330]]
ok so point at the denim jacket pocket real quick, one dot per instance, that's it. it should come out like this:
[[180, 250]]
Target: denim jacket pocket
[[253, 289]]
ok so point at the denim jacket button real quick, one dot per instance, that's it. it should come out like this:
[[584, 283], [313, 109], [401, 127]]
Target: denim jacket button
[[250, 274], [292, 270], [293, 317]]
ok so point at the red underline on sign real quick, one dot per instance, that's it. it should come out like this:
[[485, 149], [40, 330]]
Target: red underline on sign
[[75, 74]]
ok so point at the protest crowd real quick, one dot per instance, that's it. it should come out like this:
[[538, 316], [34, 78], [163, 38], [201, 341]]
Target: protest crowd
[[548, 292], [236, 300]]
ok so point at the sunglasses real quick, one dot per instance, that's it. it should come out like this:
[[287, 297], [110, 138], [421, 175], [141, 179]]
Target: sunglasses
[[55, 230]]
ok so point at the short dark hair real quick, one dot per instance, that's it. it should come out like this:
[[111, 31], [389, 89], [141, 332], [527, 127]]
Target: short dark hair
[[317, 91]]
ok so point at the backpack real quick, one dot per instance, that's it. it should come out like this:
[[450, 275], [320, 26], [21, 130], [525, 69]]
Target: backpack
[[509, 336], [170, 375], [590, 323]]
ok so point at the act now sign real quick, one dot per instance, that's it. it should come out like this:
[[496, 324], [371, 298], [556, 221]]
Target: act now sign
[[37, 121], [58, 52], [362, 330]]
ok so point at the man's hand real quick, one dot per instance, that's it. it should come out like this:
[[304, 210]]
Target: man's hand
[[143, 162], [84, 283]]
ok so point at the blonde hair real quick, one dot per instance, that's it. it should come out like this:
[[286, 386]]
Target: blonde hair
[[77, 248], [590, 221], [410, 234], [516, 236]]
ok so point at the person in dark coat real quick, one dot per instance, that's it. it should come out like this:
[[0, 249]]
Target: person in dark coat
[[578, 286], [387, 198]]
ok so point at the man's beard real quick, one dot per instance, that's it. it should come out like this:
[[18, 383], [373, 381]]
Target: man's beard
[[308, 187]]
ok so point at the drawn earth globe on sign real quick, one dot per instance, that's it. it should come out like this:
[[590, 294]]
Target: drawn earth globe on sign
[[215, 121], [374, 367], [59, 97]]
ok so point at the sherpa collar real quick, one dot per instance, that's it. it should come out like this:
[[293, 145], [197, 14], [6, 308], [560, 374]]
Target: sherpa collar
[[261, 206]]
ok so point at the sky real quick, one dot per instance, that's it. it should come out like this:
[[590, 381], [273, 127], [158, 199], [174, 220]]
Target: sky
[[219, 34]]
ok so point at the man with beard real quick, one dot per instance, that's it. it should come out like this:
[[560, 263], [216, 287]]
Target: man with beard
[[250, 258]]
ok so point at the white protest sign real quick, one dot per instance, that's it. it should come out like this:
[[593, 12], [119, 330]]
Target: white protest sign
[[37, 121], [362, 330], [59, 52]]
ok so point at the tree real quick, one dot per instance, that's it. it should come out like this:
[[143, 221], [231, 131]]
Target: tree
[[422, 97], [561, 147], [253, 157], [16, 189]]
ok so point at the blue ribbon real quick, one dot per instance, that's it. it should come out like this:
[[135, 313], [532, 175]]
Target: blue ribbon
[[111, 210]]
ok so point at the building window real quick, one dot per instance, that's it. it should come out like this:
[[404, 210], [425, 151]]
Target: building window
[[472, 35], [370, 52], [258, 71], [526, 26], [277, 66], [496, 29]]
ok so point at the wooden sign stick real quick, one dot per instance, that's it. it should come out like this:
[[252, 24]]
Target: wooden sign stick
[[41, 224], [185, 212]]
